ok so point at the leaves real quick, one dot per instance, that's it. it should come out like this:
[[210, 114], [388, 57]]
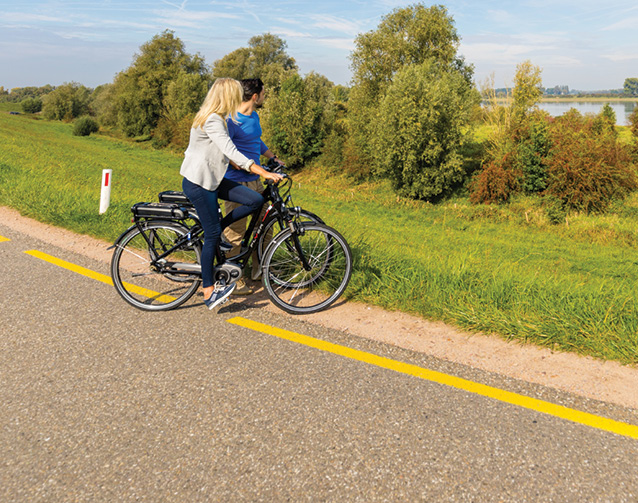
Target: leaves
[[420, 130], [163, 79]]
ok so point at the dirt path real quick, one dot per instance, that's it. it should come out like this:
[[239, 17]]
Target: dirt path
[[588, 377]]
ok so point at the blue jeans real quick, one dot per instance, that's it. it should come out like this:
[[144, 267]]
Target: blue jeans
[[207, 206]]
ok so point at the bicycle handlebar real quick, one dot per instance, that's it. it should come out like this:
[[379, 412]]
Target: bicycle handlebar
[[274, 166]]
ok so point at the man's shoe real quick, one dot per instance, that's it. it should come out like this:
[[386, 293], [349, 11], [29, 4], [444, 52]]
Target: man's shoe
[[224, 245], [219, 295], [255, 274], [242, 288]]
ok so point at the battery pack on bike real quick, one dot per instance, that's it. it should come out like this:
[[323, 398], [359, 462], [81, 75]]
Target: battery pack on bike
[[170, 211]]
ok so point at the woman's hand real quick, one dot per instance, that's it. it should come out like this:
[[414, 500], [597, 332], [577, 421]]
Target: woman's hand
[[275, 177], [258, 170]]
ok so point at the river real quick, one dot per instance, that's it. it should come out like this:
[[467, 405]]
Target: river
[[622, 108]]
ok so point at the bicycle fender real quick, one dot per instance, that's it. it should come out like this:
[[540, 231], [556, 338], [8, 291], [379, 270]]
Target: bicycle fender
[[119, 238]]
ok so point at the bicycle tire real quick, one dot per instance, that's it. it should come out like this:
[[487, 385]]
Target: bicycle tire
[[297, 290], [148, 288], [273, 227]]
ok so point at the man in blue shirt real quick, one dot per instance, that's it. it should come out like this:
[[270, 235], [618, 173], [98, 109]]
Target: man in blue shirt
[[246, 135]]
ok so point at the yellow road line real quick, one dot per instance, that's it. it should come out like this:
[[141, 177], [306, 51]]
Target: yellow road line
[[3, 239], [551, 409], [97, 276]]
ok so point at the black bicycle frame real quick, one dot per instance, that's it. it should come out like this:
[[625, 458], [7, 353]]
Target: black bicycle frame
[[248, 243]]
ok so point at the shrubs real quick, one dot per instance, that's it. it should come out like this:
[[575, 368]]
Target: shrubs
[[84, 126], [31, 105], [421, 128], [633, 121], [66, 102], [532, 149], [587, 167], [496, 182], [574, 162]]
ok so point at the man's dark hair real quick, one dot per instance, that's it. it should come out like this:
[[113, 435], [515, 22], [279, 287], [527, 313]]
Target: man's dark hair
[[251, 86]]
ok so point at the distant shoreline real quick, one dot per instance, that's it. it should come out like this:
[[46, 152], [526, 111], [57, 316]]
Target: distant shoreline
[[553, 99]]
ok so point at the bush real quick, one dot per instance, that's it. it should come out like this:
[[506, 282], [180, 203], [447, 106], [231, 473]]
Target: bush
[[66, 102], [31, 105], [496, 182], [84, 126], [173, 133], [587, 167], [554, 209], [633, 121], [421, 128], [532, 148]]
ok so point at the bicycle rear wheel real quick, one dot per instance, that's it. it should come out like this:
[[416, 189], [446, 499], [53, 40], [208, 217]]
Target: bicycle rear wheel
[[301, 290], [161, 286]]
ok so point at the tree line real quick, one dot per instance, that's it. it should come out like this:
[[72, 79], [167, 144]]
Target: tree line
[[407, 116]]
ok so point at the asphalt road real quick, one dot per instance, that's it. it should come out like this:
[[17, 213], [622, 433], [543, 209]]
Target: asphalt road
[[103, 402]]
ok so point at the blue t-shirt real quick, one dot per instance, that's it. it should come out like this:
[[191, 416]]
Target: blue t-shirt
[[246, 136]]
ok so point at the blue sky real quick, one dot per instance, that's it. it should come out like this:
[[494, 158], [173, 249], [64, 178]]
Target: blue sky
[[584, 44]]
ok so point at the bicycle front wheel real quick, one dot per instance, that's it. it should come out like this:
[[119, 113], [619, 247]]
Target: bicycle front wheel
[[308, 270], [275, 224], [153, 285]]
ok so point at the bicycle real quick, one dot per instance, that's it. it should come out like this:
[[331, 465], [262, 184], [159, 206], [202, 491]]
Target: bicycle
[[306, 266], [273, 220]]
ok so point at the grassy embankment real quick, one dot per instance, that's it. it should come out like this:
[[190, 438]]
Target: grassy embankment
[[494, 269]]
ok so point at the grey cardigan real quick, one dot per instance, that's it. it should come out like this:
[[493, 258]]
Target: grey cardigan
[[209, 150]]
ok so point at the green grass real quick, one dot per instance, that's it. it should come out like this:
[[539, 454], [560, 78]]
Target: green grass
[[494, 269], [10, 107]]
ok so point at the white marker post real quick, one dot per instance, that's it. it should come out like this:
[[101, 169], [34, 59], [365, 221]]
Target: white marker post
[[105, 196]]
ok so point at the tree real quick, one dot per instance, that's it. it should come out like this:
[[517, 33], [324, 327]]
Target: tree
[[103, 104], [31, 105], [184, 95], [140, 91], [336, 128], [419, 139], [528, 89], [295, 121], [631, 87], [405, 37], [265, 58], [183, 98], [605, 121], [66, 102], [19, 94]]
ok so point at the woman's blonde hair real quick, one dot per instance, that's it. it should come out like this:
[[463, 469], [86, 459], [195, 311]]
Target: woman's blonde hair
[[223, 98]]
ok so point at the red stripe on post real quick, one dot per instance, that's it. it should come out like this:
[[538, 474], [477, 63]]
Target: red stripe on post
[[106, 179]]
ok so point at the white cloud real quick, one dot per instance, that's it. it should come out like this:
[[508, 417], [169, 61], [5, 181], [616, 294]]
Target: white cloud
[[190, 19], [491, 52], [621, 56], [285, 32], [630, 23], [501, 16], [27, 18], [346, 44], [346, 26]]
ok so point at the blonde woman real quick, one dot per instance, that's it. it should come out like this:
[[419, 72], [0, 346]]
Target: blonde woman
[[209, 151]]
